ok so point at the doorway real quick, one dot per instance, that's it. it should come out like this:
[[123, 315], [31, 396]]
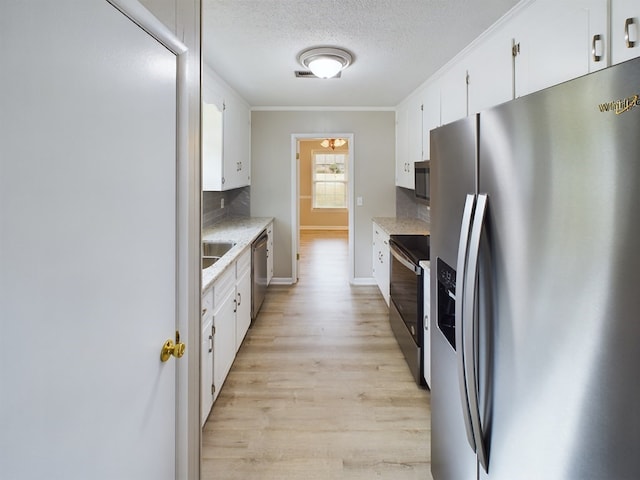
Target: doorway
[[322, 189]]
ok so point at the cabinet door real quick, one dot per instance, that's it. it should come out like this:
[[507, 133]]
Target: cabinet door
[[375, 255], [408, 141], [224, 340], [598, 36], [237, 145], [625, 30], [430, 116], [402, 147], [490, 68], [415, 137], [206, 369], [212, 145], [206, 355], [270, 253], [243, 311], [453, 88], [380, 261], [384, 267], [562, 50]]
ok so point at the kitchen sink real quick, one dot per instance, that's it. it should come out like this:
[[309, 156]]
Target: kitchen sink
[[212, 251], [216, 249], [208, 261]]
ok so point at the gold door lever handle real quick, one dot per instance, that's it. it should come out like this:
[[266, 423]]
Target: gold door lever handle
[[169, 348]]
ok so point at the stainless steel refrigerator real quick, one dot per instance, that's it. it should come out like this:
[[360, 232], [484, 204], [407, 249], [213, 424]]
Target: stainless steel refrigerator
[[535, 287]]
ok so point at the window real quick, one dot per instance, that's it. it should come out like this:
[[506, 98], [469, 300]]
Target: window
[[329, 179]]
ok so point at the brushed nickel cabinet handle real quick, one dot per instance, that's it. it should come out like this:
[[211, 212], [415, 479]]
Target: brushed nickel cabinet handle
[[627, 23], [597, 39]]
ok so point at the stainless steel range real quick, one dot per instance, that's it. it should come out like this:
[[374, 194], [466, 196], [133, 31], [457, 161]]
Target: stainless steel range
[[406, 314]]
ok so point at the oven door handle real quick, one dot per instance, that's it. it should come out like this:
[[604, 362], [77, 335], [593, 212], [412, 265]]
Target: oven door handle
[[417, 269]]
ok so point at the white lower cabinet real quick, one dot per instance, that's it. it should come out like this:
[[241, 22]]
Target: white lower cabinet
[[206, 355], [231, 318], [224, 327], [426, 344], [269, 253], [243, 296], [381, 260]]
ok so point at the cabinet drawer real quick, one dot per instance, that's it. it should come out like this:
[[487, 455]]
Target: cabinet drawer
[[224, 285], [243, 263], [207, 304]]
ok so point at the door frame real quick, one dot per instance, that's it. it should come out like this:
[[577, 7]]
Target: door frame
[[188, 272], [295, 194]]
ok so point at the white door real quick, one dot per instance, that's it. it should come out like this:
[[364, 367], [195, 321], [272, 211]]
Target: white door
[[88, 249]]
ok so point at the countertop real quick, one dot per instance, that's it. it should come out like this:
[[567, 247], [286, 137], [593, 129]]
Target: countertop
[[402, 226], [240, 230]]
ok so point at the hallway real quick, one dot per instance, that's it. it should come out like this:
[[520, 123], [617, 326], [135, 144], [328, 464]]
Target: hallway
[[319, 389]]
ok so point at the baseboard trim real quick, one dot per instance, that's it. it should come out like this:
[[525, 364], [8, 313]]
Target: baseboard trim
[[323, 227], [363, 281], [282, 281]]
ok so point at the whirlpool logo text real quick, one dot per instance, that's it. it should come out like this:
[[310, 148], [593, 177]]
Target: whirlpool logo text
[[620, 106]]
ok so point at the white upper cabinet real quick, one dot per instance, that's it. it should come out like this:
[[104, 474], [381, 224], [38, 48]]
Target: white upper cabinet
[[430, 96], [453, 93], [406, 151], [226, 137], [539, 44], [237, 144], [415, 135], [555, 42], [625, 30], [408, 140], [490, 68], [212, 140]]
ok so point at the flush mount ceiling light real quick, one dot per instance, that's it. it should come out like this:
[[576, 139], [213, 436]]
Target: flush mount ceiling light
[[325, 62]]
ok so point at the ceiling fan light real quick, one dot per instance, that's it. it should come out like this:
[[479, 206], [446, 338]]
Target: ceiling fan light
[[325, 67]]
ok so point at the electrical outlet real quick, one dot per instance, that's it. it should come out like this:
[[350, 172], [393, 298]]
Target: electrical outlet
[[359, 201], [222, 202]]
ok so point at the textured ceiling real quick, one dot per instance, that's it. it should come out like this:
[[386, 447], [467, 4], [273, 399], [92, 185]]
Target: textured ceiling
[[253, 45]]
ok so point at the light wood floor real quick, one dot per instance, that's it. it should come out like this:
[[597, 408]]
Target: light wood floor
[[319, 389]]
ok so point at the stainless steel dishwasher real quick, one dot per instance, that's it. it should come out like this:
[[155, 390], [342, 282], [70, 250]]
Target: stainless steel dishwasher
[[258, 272]]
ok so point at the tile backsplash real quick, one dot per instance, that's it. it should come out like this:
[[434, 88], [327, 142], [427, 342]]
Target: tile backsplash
[[236, 203], [407, 206]]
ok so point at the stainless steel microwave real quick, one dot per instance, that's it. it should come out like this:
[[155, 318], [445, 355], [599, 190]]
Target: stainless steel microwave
[[422, 189]]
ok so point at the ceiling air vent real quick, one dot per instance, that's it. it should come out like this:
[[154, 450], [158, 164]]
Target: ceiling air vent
[[308, 74]]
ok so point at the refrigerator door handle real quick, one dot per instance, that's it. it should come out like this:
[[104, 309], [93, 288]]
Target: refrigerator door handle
[[461, 269], [471, 331]]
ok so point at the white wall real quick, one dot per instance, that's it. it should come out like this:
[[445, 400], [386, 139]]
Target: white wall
[[374, 170]]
